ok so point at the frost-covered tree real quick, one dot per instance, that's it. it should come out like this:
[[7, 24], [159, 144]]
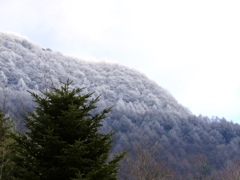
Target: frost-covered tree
[[63, 139]]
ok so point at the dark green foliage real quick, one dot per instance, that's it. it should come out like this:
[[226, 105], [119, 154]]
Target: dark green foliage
[[6, 147], [63, 139]]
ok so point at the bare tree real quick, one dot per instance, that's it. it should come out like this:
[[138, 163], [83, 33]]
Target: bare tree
[[231, 172], [201, 168], [143, 163], [4, 97]]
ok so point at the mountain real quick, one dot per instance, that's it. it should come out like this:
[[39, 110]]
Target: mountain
[[143, 112], [26, 66]]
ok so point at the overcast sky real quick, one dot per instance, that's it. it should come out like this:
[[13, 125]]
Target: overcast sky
[[189, 47]]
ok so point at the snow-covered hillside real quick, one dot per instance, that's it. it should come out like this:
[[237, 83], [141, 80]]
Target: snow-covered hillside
[[26, 66], [143, 112]]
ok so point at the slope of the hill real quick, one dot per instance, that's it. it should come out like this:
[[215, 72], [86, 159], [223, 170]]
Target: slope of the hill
[[25, 66], [143, 111]]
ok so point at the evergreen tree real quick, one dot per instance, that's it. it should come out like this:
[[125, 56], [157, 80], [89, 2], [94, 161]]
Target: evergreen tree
[[63, 139], [6, 147]]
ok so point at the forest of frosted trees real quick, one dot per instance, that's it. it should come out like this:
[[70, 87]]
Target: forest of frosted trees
[[144, 114]]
